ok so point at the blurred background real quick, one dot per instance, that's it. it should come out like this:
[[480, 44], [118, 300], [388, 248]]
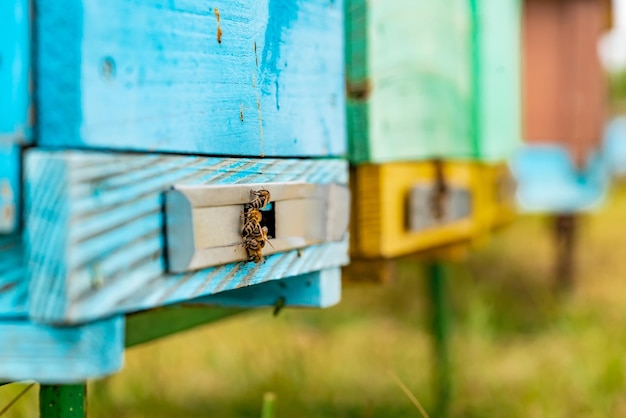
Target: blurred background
[[518, 347]]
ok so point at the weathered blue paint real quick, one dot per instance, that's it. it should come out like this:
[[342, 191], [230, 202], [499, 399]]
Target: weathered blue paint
[[13, 286], [14, 71], [319, 289], [548, 181], [243, 77], [94, 235], [60, 355], [9, 188]]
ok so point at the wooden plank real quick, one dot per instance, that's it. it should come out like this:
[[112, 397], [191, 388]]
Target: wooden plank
[[380, 194], [10, 190], [13, 286], [564, 83], [498, 78], [252, 78], [146, 326], [412, 100], [15, 106], [60, 355], [319, 289], [95, 230], [432, 79]]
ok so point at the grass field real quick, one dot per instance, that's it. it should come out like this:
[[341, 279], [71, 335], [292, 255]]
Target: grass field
[[518, 349]]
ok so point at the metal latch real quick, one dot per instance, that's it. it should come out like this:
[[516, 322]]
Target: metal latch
[[204, 223]]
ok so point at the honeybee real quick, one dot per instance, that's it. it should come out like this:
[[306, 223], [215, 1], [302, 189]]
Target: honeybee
[[254, 249], [252, 214], [251, 228], [260, 200]]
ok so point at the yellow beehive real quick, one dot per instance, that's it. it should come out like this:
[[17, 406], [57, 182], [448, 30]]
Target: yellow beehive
[[381, 209]]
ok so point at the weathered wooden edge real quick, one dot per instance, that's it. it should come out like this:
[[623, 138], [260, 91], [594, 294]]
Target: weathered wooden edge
[[319, 289], [314, 290], [60, 355], [100, 216]]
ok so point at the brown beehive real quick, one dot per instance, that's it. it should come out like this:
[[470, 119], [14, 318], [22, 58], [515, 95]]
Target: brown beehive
[[564, 83]]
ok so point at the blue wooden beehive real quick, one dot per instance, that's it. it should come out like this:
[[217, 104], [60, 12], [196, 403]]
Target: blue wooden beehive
[[127, 155]]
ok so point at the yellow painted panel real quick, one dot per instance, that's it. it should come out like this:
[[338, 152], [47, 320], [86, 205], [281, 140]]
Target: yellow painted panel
[[380, 207]]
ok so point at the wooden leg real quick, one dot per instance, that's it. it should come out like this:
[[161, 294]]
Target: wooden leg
[[62, 401], [565, 240], [441, 336]]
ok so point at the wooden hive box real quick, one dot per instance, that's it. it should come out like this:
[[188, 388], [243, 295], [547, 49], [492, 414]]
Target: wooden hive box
[[564, 84], [433, 98], [230, 90], [433, 79]]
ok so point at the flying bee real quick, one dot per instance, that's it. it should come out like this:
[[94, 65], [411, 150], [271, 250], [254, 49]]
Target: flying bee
[[260, 200]]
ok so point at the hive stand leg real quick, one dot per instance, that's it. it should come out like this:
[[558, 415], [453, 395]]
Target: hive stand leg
[[441, 336], [62, 401], [565, 241]]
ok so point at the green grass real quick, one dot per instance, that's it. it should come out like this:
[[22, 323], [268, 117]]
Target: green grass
[[518, 349]]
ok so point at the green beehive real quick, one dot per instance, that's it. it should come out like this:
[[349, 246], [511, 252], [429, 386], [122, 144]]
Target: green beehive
[[432, 79]]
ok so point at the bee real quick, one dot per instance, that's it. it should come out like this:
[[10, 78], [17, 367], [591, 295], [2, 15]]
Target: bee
[[260, 200], [252, 228], [253, 248], [264, 238], [279, 305], [252, 215]]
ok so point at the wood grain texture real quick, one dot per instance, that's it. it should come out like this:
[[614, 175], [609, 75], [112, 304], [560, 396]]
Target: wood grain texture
[[13, 286], [94, 235], [432, 79], [60, 355], [380, 228], [10, 187], [245, 77], [15, 124]]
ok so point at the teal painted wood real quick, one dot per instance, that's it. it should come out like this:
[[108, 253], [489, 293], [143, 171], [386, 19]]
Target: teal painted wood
[[10, 190], [13, 287], [436, 79], [498, 78], [60, 354], [15, 123], [94, 235], [417, 80], [246, 77], [320, 289]]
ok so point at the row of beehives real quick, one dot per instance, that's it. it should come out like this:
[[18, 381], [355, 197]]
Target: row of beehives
[[93, 232]]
